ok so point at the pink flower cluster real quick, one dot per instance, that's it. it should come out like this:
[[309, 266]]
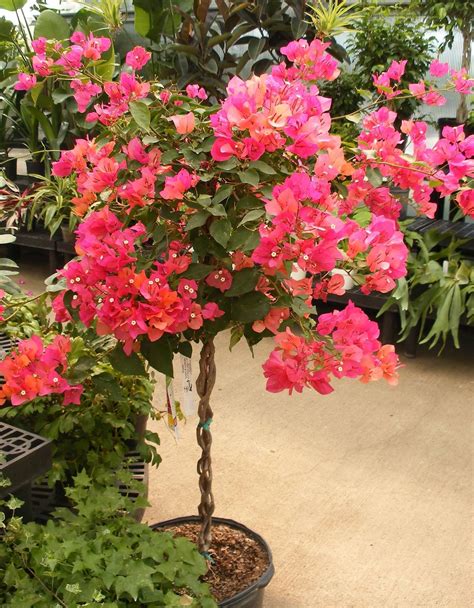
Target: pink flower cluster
[[305, 231], [120, 94], [109, 290], [354, 352], [98, 170], [54, 57], [278, 110], [447, 167], [388, 83], [35, 370]]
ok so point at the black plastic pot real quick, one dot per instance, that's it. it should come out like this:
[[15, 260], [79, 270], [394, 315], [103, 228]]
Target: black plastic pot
[[8, 164], [252, 597], [452, 122], [35, 167]]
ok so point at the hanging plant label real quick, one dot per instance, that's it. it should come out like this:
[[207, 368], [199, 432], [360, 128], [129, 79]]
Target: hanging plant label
[[189, 402]]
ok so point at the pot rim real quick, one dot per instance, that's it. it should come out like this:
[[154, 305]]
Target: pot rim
[[260, 583]]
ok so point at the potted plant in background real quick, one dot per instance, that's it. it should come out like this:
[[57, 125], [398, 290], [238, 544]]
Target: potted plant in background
[[195, 218], [9, 109], [107, 432], [383, 35], [437, 295]]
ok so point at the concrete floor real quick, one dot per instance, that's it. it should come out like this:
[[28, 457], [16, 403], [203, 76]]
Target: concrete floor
[[365, 496]]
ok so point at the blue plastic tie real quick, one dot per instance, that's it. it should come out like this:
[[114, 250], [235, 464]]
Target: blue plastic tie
[[207, 556], [206, 425]]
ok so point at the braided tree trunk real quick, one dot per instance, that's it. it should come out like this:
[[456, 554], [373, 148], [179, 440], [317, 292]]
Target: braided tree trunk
[[204, 385]]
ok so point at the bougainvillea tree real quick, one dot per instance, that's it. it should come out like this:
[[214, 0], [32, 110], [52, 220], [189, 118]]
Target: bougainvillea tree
[[198, 219]]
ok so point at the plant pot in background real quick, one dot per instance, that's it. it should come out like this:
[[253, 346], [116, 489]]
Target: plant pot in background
[[452, 122], [67, 234], [9, 166], [35, 167], [252, 596]]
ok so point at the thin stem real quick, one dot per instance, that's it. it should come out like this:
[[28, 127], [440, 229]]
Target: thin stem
[[45, 587]]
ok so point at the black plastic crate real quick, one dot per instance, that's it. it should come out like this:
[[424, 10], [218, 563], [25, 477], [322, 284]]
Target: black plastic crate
[[45, 499], [26, 456]]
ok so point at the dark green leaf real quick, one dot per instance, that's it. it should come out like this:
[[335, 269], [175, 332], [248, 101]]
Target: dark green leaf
[[250, 307], [249, 177], [251, 216], [128, 365], [263, 167], [242, 282], [223, 193], [186, 349], [141, 114], [197, 219], [197, 271], [220, 231], [159, 355]]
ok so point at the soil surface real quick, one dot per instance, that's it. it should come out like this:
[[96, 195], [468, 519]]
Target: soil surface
[[238, 560]]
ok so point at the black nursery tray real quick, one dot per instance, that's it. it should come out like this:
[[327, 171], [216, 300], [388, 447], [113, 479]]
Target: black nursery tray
[[44, 499], [26, 456]]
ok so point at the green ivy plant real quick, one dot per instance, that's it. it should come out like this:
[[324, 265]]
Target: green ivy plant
[[439, 287], [97, 555]]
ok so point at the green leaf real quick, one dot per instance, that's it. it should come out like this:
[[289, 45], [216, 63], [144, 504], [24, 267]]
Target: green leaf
[[81, 368], [7, 30], [220, 231], [256, 46], [242, 282], [51, 25], [142, 21], [159, 355], [105, 68], [197, 271], [374, 176], [223, 193], [217, 210], [7, 263], [251, 216], [236, 334], [196, 220], [60, 96], [249, 177], [228, 165], [141, 114], [185, 349], [12, 5], [250, 307], [299, 306], [35, 92], [128, 365], [262, 167], [106, 383]]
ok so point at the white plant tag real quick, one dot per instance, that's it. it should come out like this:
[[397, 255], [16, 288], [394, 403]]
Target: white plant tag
[[171, 407], [189, 403]]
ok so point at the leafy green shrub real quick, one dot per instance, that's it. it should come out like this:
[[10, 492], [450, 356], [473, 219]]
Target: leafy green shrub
[[98, 556], [439, 286], [97, 434], [383, 35]]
